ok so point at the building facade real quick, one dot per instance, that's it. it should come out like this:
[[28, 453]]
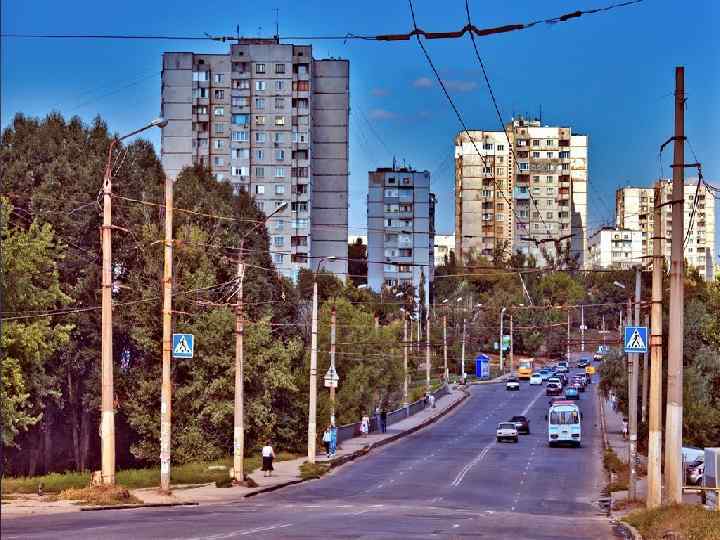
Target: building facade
[[524, 190], [401, 229], [272, 121], [444, 248], [612, 247], [634, 210]]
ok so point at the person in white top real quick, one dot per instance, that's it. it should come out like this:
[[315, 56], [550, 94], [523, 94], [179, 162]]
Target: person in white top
[[267, 459]]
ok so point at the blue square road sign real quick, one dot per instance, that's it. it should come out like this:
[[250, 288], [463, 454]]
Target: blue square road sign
[[183, 345], [636, 339]]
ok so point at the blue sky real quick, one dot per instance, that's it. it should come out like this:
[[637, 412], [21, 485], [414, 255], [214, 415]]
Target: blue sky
[[608, 75]]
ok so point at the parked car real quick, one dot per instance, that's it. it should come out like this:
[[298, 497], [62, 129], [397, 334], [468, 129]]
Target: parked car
[[522, 424], [536, 378], [694, 472], [507, 431], [512, 384], [553, 389]]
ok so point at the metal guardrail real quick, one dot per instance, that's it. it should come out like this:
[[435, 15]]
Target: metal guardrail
[[348, 431], [702, 490]]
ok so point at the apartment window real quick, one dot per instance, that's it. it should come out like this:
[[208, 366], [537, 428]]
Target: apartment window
[[240, 119], [279, 120], [239, 171], [260, 85], [219, 144], [200, 93], [549, 142], [242, 84], [536, 215], [278, 241], [536, 190], [219, 176], [300, 137], [487, 146], [279, 172], [279, 85], [500, 171], [551, 191], [237, 189], [260, 119], [279, 155], [300, 189], [299, 172], [548, 215], [301, 86], [260, 205], [392, 207], [536, 179], [259, 189], [549, 154], [300, 223], [298, 241], [260, 173], [536, 226], [536, 154], [200, 109], [536, 142], [219, 127], [523, 166], [239, 101], [219, 94], [260, 154], [240, 136], [486, 193], [564, 154], [218, 161], [499, 217], [201, 76], [259, 68], [279, 103], [241, 153], [565, 166], [499, 206], [301, 206], [388, 222], [487, 170], [391, 192], [219, 111], [260, 136], [259, 103], [405, 252], [550, 179], [500, 147], [279, 68], [278, 258]]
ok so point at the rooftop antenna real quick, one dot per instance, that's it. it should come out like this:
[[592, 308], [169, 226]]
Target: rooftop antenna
[[277, 25], [237, 32], [541, 113], [393, 163]]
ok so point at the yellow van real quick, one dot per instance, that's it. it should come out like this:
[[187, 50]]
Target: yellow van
[[590, 370]]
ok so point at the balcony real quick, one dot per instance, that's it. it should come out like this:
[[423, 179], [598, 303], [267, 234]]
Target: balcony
[[519, 193]]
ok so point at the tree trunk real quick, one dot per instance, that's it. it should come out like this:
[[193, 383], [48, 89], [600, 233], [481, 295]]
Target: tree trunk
[[47, 438], [84, 439], [74, 424]]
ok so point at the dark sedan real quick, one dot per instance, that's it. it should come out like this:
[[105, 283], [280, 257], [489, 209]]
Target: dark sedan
[[522, 424]]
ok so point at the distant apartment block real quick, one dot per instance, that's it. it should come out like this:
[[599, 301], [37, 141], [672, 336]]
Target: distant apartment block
[[524, 190], [612, 247], [273, 121], [444, 248], [401, 229], [634, 210]]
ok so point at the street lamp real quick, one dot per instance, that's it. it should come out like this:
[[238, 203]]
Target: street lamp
[[239, 401], [312, 412], [107, 425], [502, 314]]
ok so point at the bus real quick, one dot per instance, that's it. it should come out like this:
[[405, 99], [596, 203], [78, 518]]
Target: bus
[[564, 418], [525, 369]]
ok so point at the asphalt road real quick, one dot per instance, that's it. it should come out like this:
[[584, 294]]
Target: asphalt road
[[451, 480]]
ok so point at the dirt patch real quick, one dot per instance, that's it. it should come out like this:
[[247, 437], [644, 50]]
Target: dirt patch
[[99, 495]]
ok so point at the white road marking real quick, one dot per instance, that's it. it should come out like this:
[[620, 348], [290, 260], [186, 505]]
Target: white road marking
[[244, 532]]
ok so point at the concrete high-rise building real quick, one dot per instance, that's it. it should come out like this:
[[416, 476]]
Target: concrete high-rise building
[[444, 248], [613, 247], [524, 190], [401, 229], [634, 210], [273, 121]]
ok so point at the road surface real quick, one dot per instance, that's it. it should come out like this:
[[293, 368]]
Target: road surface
[[450, 480]]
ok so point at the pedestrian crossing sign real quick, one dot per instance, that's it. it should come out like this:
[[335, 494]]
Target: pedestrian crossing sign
[[183, 345], [636, 339]]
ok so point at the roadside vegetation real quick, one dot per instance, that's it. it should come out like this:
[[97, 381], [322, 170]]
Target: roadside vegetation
[[98, 496], [312, 470], [688, 522]]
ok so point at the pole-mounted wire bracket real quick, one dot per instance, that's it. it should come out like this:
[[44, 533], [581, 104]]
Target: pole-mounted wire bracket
[[685, 165], [671, 139]]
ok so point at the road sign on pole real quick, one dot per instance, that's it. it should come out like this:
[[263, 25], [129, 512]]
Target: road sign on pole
[[636, 340], [331, 378], [183, 345]]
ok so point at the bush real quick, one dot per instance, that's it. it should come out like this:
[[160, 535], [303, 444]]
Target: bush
[[99, 495], [690, 522], [312, 470]]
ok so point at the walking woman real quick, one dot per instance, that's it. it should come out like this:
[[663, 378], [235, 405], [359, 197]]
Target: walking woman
[[267, 459]]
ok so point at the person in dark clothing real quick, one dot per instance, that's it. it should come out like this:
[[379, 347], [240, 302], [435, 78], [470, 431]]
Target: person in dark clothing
[[383, 420]]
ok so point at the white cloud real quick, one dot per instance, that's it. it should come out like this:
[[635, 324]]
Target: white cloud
[[380, 92], [382, 114], [461, 86], [422, 82]]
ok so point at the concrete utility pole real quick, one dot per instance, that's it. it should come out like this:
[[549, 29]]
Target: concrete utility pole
[[462, 355], [502, 314], [674, 413], [427, 349], [239, 402], [445, 366], [582, 328], [654, 474], [332, 364], [512, 345], [405, 359], [567, 349], [166, 390], [645, 380], [633, 382], [107, 389]]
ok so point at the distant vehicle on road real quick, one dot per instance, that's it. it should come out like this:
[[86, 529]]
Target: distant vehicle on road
[[512, 384], [536, 378], [555, 380], [545, 373], [694, 472], [525, 369], [580, 382], [572, 393], [553, 389], [564, 420], [522, 424], [507, 431], [601, 352], [582, 364]]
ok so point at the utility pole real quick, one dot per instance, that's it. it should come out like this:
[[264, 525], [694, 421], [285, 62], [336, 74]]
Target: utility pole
[[567, 349], [654, 474], [512, 346], [405, 359], [674, 412], [427, 349], [633, 381], [582, 327], [239, 403], [166, 390], [445, 366], [502, 367], [332, 364], [646, 379], [462, 367]]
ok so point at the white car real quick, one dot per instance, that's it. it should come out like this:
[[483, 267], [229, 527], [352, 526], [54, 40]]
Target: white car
[[512, 384], [536, 378], [507, 430]]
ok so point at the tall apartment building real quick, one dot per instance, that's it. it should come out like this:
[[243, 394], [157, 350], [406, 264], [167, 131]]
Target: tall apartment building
[[401, 229], [273, 121], [613, 247], [444, 248], [524, 190], [634, 210]]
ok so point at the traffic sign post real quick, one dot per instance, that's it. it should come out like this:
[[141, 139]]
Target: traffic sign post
[[636, 339], [183, 345], [331, 378]]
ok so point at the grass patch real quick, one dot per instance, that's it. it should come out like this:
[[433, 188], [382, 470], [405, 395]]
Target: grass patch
[[187, 474], [691, 522], [312, 470], [99, 495], [620, 471]]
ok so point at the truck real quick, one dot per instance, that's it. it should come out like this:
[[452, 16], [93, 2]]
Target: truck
[[525, 369]]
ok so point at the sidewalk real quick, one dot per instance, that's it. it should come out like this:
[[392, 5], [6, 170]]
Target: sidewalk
[[285, 473]]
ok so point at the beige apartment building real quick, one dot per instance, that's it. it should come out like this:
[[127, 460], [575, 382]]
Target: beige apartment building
[[524, 190], [634, 210], [272, 121]]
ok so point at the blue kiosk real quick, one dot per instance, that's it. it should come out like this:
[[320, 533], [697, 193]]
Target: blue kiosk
[[482, 366]]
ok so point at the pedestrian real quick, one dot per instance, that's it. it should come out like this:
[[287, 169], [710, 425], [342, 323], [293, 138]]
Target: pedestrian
[[333, 440], [625, 428], [432, 401], [364, 426], [383, 420], [268, 454], [377, 417], [326, 441]]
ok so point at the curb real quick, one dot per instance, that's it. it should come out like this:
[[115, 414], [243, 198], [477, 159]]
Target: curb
[[131, 506], [496, 380]]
